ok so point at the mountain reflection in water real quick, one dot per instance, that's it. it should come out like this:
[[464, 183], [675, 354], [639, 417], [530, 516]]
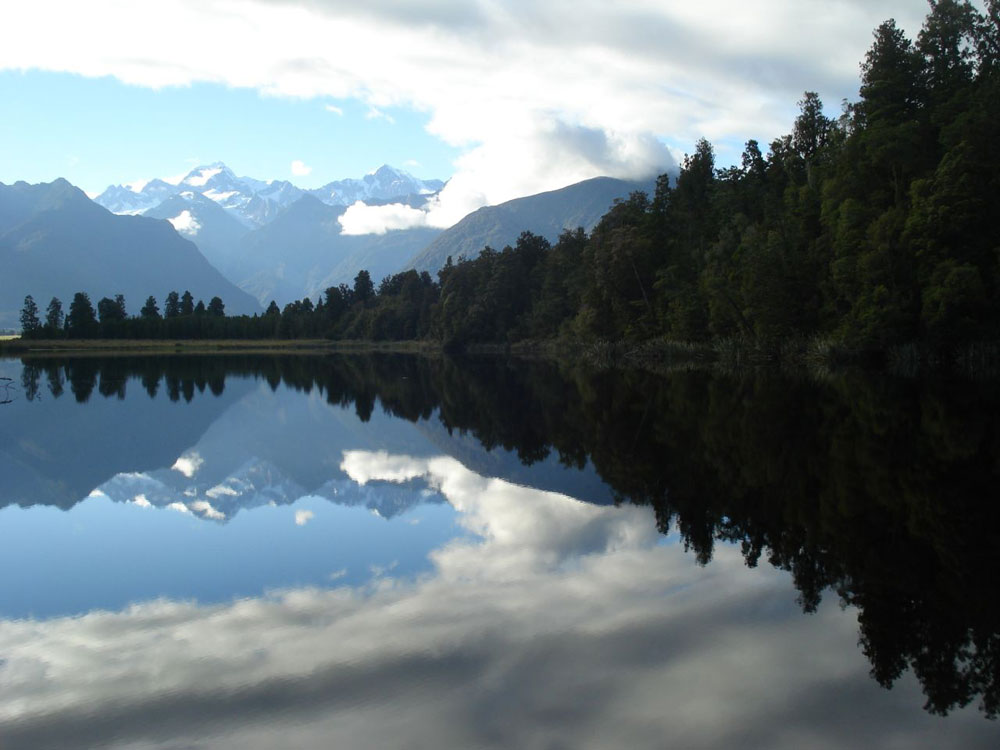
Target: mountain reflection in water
[[539, 620]]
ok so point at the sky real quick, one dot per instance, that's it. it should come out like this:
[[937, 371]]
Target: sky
[[504, 99]]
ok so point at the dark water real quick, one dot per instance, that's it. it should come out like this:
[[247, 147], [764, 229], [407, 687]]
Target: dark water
[[379, 552]]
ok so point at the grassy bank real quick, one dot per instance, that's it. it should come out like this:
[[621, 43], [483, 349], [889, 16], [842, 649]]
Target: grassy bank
[[18, 347]]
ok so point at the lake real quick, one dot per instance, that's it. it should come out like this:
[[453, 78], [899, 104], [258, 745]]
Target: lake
[[395, 551]]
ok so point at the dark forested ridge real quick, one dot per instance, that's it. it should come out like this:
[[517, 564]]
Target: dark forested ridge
[[863, 232]]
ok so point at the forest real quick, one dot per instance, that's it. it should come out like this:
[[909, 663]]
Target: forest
[[861, 232]]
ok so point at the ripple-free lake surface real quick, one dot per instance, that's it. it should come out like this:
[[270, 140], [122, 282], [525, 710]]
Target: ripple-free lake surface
[[388, 551]]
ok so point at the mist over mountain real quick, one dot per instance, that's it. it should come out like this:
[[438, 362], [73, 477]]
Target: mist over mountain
[[546, 214], [55, 241]]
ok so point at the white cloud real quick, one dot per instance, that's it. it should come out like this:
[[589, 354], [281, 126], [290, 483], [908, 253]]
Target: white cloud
[[179, 507], [536, 95], [299, 168], [367, 466], [335, 109], [188, 464], [361, 218], [185, 223], [302, 517]]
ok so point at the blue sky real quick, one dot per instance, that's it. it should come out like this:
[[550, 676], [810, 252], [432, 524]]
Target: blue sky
[[504, 98], [99, 131]]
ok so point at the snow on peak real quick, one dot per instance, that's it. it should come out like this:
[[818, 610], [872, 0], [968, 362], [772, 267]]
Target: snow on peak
[[199, 177], [219, 196], [137, 186], [255, 202], [385, 171]]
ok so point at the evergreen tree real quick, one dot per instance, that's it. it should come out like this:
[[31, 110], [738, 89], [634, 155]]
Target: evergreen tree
[[217, 308], [54, 317], [150, 311], [111, 310], [364, 289], [172, 307], [81, 321], [30, 325]]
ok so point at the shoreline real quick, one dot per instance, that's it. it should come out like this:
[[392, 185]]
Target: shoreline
[[42, 347], [976, 360]]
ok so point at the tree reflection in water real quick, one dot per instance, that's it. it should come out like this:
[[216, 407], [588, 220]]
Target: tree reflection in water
[[880, 490]]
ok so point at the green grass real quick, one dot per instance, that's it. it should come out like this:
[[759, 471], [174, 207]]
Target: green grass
[[19, 346]]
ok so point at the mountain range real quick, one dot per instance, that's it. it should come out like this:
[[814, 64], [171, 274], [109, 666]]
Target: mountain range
[[55, 241], [257, 202], [253, 240]]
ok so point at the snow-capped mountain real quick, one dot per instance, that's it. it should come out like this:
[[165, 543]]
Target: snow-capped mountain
[[383, 184], [136, 197], [256, 202], [251, 201]]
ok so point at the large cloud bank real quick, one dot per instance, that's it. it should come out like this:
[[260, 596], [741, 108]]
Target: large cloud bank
[[537, 95]]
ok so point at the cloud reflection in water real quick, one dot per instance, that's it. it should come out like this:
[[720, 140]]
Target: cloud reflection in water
[[562, 625]]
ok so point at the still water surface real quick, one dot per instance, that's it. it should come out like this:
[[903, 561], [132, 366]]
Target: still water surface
[[388, 551]]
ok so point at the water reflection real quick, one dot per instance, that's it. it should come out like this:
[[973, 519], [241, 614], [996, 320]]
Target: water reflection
[[561, 624], [576, 619]]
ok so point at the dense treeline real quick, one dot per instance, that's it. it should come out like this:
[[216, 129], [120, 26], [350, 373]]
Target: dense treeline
[[885, 497], [868, 230]]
